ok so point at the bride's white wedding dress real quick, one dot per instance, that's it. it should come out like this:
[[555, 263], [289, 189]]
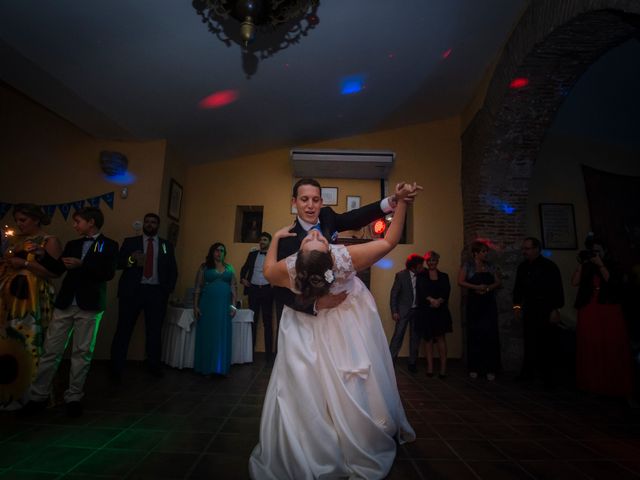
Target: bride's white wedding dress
[[332, 408]]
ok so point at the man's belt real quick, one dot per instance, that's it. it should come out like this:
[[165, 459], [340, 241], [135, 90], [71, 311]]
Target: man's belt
[[253, 285]]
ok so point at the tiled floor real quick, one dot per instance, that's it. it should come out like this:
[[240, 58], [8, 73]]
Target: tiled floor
[[188, 426]]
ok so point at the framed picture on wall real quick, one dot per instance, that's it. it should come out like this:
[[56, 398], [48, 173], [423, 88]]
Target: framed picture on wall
[[329, 195], [353, 202], [175, 200], [558, 226]]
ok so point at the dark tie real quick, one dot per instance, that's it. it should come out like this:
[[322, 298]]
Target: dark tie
[[148, 262], [262, 253]]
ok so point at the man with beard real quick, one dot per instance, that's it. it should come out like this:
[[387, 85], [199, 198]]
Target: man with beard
[[259, 292], [149, 274]]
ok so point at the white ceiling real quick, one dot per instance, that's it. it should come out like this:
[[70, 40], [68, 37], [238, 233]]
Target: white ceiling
[[139, 68]]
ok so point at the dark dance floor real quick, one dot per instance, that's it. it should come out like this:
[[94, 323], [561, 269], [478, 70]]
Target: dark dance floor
[[188, 426]]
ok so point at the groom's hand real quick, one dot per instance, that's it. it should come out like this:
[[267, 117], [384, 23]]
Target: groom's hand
[[330, 301], [405, 191]]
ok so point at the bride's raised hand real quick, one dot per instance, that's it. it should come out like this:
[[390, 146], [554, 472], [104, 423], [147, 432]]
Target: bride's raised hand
[[285, 232]]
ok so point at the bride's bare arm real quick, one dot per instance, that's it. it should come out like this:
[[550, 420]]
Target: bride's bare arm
[[366, 254], [276, 271]]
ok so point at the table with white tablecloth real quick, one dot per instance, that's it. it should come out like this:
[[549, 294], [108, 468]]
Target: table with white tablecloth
[[179, 337]]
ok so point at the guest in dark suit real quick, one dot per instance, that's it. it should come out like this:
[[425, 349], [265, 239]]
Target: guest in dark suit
[[404, 308], [537, 298], [148, 277], [90, 262], [260, 293], [307, 199]]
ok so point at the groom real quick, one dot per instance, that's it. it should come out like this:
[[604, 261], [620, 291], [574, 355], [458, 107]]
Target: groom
[[307, 199]]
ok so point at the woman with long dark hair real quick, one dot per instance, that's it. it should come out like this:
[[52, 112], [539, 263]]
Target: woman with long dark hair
[[332, 408], [214, 306]]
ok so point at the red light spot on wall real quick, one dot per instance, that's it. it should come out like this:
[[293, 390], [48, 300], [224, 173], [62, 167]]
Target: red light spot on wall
[[446, 53], [219, 99], [519, 82]]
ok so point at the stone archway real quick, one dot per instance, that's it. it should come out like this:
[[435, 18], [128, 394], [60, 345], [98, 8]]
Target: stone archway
[[553, 44]]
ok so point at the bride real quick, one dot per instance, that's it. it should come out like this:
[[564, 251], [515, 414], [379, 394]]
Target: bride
[[332, 408]]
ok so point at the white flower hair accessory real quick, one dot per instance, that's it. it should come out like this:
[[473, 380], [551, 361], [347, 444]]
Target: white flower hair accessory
[[328, 276]]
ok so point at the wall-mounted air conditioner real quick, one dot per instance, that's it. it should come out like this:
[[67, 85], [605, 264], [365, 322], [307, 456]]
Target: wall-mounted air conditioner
[[341, 163]]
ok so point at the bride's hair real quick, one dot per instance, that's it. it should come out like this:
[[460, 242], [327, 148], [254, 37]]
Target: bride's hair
[[310, 275]]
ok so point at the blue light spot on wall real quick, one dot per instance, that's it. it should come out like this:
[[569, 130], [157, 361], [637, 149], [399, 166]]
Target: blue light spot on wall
[[546, 253], [506, 208], [125, 178], [352, 84], [384, 263], [499, 204]]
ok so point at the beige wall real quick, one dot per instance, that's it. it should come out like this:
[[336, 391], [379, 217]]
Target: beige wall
[[557, 178], [46, 160], [427, 153]]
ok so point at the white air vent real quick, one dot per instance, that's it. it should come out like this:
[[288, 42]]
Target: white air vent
[[341, 164]]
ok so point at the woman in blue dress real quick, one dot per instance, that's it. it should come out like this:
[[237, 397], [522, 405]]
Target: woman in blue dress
[[481, 279], [214, 300]]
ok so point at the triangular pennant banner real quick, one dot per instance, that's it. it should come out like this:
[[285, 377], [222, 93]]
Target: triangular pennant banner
[[4, 208], [49, 210], [108, 199], [94, 202], [77, 205], [65, 208]]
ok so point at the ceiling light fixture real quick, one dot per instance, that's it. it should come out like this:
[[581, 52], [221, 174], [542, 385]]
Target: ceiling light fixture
[[260, 27]]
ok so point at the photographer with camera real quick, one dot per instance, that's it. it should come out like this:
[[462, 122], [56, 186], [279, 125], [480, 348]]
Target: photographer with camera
[[603, 359]]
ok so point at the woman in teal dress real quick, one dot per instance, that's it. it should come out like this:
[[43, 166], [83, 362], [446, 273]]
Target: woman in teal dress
[[214, 300]]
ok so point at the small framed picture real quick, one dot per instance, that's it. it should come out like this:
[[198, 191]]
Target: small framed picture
[[329, 195], [353, 202], [558, 226], [175, 200]]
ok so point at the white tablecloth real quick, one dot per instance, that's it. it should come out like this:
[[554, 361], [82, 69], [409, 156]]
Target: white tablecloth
[[242, 344], [179, 337]]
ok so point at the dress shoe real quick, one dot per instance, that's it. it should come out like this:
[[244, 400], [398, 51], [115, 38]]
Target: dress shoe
[[32, 407], [442, 376], [74, 409], [430, 374], [412, 368]]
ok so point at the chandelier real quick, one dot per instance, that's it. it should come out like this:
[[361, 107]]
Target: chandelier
[[260, 27]]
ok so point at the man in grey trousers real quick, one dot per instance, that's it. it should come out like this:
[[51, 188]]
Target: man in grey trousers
[[404, 309]]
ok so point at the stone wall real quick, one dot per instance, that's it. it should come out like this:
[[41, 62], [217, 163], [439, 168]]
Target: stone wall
[[553, 44]]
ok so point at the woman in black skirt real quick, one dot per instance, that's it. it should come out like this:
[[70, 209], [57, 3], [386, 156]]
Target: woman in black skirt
[[433, 290]]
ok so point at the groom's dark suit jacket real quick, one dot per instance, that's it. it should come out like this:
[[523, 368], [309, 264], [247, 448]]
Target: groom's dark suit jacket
[[88, 283], [132, 274], [330, 224]]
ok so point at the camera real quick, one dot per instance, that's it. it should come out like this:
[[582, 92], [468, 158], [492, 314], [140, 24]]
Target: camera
[[586, 255]]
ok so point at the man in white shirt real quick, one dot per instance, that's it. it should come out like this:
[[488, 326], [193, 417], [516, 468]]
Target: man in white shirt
[[259, 291]]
